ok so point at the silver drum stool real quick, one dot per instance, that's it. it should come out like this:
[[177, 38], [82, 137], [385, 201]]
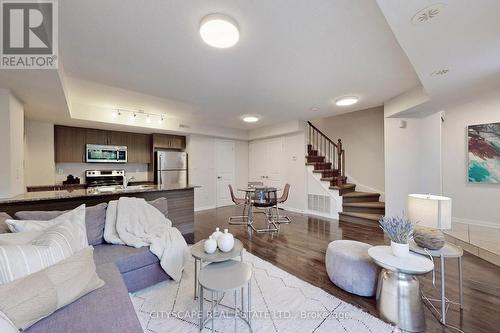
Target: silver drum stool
[[398, 290], [224, 277]]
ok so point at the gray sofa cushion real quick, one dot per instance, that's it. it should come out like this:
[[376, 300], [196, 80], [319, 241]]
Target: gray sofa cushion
[[127, 258], [3, 226], [95, 217], [108, 309]]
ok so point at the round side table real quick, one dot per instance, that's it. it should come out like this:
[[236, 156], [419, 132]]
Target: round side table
[[398, 289], [200, 256], [224, 277], [448, 251]]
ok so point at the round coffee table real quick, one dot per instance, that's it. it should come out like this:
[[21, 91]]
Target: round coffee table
[[200, 256], [221, 277], [398, 289]]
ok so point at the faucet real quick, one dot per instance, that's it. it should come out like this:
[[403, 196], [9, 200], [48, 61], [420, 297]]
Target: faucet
[[126, 181]]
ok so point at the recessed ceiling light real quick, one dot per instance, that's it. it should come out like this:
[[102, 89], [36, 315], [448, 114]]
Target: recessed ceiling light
[[427, 14], [346, 100], [219, 31], [251, 118]]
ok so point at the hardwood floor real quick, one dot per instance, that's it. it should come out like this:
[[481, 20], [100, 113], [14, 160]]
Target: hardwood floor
[[299, 248]]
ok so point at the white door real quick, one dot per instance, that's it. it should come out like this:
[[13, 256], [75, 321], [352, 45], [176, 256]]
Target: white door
[[225, 170], [257, 157], [274, 163]]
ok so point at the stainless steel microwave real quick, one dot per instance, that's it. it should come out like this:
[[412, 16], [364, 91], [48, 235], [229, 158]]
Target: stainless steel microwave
[[106, 154]]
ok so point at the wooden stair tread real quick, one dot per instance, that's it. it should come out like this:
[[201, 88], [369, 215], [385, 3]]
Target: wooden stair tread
[[356, 194], [365, 204], [343, 187], [366, 216]]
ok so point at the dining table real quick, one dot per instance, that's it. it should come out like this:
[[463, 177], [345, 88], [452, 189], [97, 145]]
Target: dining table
[[250, 193]]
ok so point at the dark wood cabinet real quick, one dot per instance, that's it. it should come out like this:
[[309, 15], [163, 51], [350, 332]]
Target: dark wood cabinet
[[139, 148], [96, 136], [69, 144], [167, 141]]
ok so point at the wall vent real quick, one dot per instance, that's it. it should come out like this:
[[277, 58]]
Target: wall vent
[[318, 203]]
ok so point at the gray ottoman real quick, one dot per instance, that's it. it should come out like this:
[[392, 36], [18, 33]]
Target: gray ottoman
[[350, 268]]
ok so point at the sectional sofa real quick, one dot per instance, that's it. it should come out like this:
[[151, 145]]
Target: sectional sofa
[[124, 269]]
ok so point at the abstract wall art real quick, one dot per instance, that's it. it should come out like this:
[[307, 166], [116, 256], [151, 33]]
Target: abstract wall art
[[484, 153]]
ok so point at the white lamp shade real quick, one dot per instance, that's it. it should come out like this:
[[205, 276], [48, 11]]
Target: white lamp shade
[[430, 210]]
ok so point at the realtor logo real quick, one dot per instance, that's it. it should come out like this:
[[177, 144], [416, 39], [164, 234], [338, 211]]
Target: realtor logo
[[29, 34]]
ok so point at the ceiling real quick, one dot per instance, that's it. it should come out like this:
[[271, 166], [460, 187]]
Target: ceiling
[[291, 56]]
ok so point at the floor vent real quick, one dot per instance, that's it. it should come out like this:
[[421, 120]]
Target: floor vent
[[318, 203]]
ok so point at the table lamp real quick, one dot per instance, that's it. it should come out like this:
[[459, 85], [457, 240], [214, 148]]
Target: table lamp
[[431, 213]]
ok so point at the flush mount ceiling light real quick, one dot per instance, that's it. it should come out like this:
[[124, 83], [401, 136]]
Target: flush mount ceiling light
[[427, 14], [219, 31], [346, 100], [250, 118]]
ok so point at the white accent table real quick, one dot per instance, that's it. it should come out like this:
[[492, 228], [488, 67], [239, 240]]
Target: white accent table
[[447, 251], [224, 277], [200, 256], [398, 289]]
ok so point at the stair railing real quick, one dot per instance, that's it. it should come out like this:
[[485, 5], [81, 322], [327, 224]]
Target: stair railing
[[333, 152]]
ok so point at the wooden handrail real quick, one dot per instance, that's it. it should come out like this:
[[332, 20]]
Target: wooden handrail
[[322, 134]]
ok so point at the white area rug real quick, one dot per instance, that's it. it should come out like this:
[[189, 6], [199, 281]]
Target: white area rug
[[280, 303]]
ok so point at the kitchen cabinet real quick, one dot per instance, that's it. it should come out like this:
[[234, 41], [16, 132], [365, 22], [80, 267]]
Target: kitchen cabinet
[[139, 148], [69, 144], [167, 141]]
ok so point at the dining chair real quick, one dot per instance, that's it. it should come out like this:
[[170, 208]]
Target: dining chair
[[238, 202], [282, 199]]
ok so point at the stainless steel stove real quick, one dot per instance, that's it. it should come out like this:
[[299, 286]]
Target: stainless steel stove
[[98, 178]]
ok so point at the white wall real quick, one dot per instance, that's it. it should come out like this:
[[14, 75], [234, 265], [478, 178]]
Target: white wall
[[362, 135], [39, 153], [412, 159], [472, 203], [202, 168], [11, 145], [291, 166]]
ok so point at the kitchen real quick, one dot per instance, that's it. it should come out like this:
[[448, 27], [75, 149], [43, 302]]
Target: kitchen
[[94, 165]]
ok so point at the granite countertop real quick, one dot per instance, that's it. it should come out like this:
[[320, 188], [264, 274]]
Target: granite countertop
[[90, 192]]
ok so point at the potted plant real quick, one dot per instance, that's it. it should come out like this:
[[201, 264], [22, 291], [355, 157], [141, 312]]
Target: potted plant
[[399, 230]]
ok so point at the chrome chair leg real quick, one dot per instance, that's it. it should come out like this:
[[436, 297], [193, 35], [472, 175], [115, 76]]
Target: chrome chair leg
[[240, 219], [281, 219]]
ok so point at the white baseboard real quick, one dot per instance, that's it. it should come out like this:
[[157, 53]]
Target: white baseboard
[[199, 209]]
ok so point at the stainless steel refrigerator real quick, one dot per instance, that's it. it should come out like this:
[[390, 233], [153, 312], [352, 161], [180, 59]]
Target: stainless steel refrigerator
[[171, 169]]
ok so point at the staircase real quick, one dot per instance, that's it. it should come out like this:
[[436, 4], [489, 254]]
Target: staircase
[[328, 159]]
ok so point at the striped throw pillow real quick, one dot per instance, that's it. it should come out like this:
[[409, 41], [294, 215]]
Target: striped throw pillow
[[77, 216], [51, 246]]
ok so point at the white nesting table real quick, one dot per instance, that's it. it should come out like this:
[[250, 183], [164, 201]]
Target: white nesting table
[[447, 251], [221, 277], [200, 256], [398, 289]]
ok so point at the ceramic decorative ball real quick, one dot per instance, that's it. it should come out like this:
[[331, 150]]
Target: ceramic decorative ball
[[429, 238], [210, 245], [225, 241], [216, 234]]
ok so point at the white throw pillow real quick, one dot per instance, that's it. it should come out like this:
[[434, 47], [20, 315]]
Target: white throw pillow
[[77, 216], [51, 246], [6, 326]]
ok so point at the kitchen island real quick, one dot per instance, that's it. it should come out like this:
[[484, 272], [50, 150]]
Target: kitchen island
[[180, 201]]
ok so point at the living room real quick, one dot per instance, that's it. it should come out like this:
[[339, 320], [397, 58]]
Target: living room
[[249, 166]]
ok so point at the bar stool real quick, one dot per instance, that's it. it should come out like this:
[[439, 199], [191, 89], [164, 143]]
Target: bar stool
[[238, 202], [224, 277]]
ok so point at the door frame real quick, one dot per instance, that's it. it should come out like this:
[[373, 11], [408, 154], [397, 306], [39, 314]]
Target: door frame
[[228, 202]]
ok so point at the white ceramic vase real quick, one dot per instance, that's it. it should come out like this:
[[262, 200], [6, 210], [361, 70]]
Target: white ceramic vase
[[225, 241], [210, 245], [216, 234], [400, 250]]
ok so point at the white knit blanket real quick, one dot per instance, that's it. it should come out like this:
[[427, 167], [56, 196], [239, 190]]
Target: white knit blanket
[[134, 222]]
